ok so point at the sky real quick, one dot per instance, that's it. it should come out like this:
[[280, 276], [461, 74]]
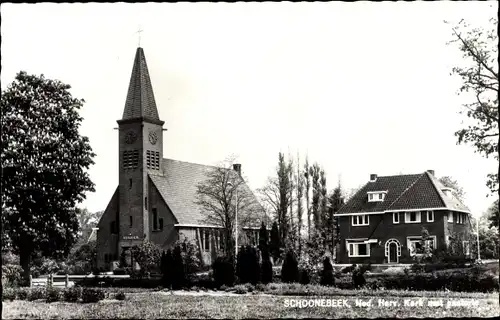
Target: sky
[[359, 88]]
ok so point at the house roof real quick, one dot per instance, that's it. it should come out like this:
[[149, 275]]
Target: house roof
[[178, 187], [404, 192], [140, 101]]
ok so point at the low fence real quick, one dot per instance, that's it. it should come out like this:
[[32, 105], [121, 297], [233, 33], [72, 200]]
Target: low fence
[[67, 280]]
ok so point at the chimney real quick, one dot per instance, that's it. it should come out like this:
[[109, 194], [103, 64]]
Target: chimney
[[237, 168], [373, 177], [431, 172]]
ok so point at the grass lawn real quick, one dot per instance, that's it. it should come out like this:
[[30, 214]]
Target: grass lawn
[[152, 305]]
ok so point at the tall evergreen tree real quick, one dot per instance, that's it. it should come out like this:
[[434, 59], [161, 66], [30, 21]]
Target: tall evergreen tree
[[335, 202], [263, 238], [275, 245], [325, 221], [314, 171], [300, 193], [307, 180]]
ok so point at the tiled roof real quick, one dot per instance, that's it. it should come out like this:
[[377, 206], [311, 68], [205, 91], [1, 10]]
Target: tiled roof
[[140, 98], [178, 186], [404, 192]]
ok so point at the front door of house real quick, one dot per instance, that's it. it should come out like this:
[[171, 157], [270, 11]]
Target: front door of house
[[393, 252]]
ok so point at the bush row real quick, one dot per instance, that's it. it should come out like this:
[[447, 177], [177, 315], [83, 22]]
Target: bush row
[[53, 294]]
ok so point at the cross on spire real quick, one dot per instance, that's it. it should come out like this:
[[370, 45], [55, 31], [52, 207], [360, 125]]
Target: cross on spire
[[139, 32]]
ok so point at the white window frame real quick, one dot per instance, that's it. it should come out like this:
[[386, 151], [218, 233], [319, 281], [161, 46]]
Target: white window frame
[[466, 252], [394, 220], [450, 216], [364, 218], [431, 214], [411, 239], [418, 215], [353, 250], [376, 196]]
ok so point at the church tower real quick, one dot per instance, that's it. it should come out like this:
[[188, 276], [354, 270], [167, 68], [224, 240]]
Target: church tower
[[140, 153]]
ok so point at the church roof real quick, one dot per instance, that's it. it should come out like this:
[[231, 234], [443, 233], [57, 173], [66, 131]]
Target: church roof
[[178, 188], [140, 101]]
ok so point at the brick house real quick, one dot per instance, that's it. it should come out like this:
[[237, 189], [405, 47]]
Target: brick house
[[382, 222], [155, 197]]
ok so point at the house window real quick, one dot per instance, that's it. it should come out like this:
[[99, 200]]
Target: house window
[[360, 220], [370, 196], [376, 196], [131, 220], [466, 246], [455, 217], [358, 249], [450, 217], [430, 216], [146, 203], [155, 219], [207, 241], [161, 223], [395, 217], [412, 217], [416, 247]]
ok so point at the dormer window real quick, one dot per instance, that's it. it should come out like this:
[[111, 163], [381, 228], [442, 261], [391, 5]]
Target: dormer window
[[376, 196], [448, 192]]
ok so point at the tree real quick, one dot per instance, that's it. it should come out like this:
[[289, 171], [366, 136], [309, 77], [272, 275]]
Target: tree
[[44, 163], [277, 194], [290, 268], [167, 268], [314, 171], [335, 202], [449, 182], [87, 220], [178, 269], [263, 238], [479, 75], [216, 197], [275, 244], [326, 221], [147, 255], [307, 180], [493, 214], [299, 183]]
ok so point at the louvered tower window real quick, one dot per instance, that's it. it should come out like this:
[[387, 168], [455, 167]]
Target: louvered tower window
[[153, 159]]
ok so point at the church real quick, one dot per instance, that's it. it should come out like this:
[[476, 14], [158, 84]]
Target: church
[[155, 196]]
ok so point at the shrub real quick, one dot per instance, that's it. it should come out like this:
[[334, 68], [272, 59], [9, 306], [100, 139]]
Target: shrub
[[327, 278], [260, 287], [36, 294], [120, 296], [417, 267], [240, 289], [11, 275], [147, 255], [266, 268], [122, 271], [358, 277], [248, 267], [91, 295], [223, 272], [178, 274], [348, 269], [190, 256], [52, 294], [166, 266], [304, 276], [71, 294], [22, 293], [8, 294], [290, 269]]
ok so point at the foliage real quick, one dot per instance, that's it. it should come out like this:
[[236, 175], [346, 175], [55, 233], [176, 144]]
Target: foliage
[[72, 294], [179, 272], [315, 251], [120, 296], [493, 214], [217, 197], [52, 294], [358, 276], [12, 275], [248, 267], [167, 268], [263, 238], [83, 259], [223, 271], [290, 268], [307, 184], [449, 182], [190, 256], [44, 163], [22, 293], [86, 221], [479, 75], [299, 184], [36, 293], [8, 294], [336, 200], [147, 255], [275, 243], [327, 278], [266, 268], [304, 276], [314, 172], [92, 295]]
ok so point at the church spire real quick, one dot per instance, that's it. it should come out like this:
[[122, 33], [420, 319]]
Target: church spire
[[140, 101]]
